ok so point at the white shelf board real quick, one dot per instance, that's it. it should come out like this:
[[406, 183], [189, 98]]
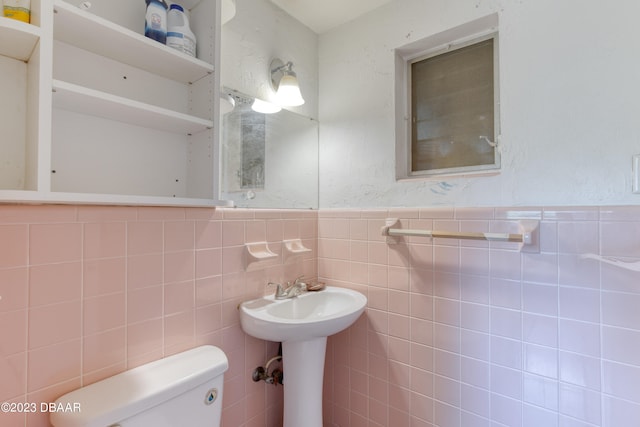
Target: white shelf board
[[17, 38], [68, 96], [38, 197], [98, 35]]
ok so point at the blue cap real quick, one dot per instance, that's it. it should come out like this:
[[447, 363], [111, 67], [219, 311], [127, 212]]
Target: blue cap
[[176, 6]]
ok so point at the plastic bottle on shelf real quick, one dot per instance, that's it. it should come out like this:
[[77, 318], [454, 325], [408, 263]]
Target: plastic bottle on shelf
[[17, 9], [155, 22], [179, 34]]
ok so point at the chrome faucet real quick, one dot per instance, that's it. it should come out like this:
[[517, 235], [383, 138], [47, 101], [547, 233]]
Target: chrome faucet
[[289, 290]]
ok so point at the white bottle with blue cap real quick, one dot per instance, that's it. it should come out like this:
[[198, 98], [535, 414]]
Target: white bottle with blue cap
[[179, 35], [155, 22]]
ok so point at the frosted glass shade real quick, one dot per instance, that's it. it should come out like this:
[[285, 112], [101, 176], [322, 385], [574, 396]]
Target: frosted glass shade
[[288, 93], [264, 107], [228, 10]]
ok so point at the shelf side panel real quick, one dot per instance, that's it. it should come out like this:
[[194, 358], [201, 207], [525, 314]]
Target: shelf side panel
[[204, 166], [200, 166], [13, 123]]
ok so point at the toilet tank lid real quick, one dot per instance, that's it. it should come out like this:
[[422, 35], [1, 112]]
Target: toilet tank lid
[[131, 392]]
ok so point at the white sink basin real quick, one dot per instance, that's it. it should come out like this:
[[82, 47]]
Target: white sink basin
[[310, 315]]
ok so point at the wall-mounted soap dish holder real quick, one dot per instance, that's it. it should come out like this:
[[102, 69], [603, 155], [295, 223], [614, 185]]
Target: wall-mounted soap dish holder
[[258, 254], [294, 248]]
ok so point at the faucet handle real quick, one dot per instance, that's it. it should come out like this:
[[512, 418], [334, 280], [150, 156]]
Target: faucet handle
[[279, 289], [299, 284]]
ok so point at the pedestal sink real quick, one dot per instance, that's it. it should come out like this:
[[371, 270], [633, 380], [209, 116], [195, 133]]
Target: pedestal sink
[[302, 324]]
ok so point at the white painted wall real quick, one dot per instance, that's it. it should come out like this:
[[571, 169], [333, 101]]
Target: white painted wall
[[569, 77]]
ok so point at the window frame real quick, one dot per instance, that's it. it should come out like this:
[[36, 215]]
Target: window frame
[[456, 38]]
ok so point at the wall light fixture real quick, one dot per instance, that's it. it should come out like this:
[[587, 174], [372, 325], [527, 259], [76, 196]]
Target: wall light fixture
[[285, 83]]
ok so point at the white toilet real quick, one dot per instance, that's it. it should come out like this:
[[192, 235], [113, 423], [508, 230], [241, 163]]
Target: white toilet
[[181, 390]]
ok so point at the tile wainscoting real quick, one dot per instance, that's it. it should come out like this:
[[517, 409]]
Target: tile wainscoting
[[456, 333], [87, 292], [476, 334]]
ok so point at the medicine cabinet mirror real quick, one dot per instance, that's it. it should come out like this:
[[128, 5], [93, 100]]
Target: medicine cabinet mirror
[[268, 160]]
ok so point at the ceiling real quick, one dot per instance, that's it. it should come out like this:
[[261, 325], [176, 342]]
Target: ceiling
[[323, 15]]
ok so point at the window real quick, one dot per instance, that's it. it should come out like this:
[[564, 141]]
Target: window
[[450, 96]]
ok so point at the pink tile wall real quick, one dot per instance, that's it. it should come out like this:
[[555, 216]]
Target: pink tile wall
[[471, 334], [87, 292], [457, 333]]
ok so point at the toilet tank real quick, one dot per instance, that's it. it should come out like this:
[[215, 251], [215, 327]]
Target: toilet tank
[[180, 390]]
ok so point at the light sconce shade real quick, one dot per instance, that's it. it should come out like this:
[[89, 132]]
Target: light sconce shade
[[264, 107], [228, 10], [227, 103], [285, 83]]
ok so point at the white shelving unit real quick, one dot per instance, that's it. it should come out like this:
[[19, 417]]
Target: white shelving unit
[[95, 34], [108, 116]]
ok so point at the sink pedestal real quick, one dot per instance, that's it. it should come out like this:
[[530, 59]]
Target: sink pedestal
[[303, 368], [302, 324]]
